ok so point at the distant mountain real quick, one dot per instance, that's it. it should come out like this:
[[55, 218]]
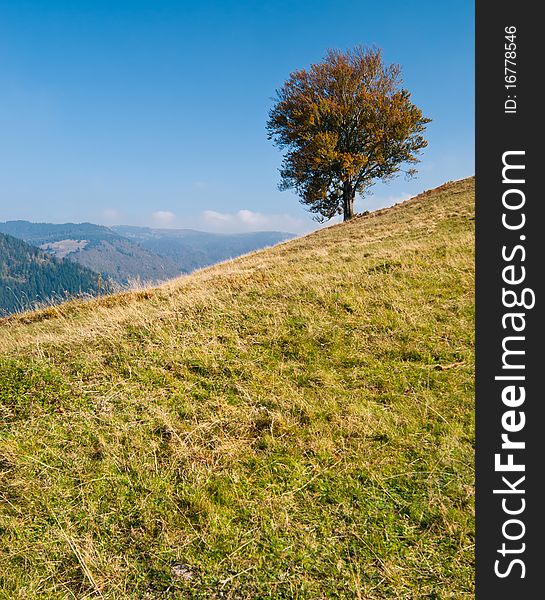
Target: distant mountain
[[126, 253], [95, 247], [29, 276], [190, 249]]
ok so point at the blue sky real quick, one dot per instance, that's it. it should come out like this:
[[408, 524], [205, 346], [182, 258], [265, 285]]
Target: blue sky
[[153, 112]]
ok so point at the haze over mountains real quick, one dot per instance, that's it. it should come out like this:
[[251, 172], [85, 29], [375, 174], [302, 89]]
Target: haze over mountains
[[190, 249], [122, 254]]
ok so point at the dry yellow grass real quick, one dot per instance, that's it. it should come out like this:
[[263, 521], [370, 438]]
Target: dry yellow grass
[[296, 423]]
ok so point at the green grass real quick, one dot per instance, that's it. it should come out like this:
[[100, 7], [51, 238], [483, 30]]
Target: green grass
[[297, 423]]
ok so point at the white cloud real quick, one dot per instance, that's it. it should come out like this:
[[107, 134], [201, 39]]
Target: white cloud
[[163, 217], [212, 215], [247, 220]]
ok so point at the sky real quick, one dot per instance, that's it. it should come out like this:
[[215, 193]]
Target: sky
[[153, 112]]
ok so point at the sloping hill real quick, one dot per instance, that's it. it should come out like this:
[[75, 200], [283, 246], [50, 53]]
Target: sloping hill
[[97, 248], [296, 423], [29, 277]]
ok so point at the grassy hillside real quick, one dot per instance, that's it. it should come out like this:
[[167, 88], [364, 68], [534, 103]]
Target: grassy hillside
[[297, 423]]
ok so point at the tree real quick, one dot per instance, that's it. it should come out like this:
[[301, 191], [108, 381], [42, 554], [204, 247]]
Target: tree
[[345, 123]]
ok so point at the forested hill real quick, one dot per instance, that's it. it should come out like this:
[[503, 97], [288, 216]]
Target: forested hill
[[127, 253], [95, 247], [29, 277]]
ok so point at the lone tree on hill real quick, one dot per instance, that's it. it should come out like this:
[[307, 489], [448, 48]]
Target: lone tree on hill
[[346, 122]]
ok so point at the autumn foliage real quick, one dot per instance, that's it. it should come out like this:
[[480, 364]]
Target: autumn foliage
[[345, 123]]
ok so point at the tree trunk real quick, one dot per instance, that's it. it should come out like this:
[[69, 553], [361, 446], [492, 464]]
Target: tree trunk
[[349, 195]]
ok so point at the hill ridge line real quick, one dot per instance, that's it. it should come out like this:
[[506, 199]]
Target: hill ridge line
[[111, 300]]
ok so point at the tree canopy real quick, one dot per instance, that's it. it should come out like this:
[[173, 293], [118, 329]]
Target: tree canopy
[[345, 122]]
